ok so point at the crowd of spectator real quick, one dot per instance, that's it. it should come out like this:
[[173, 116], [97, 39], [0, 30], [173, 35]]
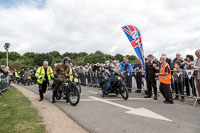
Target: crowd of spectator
[[183, 81]]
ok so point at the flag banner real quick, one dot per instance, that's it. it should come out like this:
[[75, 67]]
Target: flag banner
[[134, 36], [190, 73]]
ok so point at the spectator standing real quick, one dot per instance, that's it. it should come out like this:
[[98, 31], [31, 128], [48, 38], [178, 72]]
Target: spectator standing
[[127, 71], [197, 72], [165, 80], [150, 77], [138, 75], [178, 81], [169, 61], [189, 81]]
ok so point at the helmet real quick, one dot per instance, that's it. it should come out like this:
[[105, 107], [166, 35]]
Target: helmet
[[66, 59], [111, 66]]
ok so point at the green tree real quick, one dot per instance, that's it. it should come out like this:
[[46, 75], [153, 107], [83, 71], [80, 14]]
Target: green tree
[[119, 57]]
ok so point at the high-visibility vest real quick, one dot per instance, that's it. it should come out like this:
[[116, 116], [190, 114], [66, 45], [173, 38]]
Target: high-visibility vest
[[166, 79], [16, 74], [40, 74], [70, 72], [101, 69]]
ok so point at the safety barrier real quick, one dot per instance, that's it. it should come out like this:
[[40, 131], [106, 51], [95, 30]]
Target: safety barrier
[[4, 83], [190, 82], [186, 83]]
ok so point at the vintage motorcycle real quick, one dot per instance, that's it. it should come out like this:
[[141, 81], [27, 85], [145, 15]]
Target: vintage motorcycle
[[117, 87]]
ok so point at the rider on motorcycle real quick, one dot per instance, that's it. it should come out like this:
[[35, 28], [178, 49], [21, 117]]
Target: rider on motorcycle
[[62, 72], [109, 75], [21, 74], [28, 75]]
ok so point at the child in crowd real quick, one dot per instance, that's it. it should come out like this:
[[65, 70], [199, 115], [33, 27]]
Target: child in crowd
[[178, 81]]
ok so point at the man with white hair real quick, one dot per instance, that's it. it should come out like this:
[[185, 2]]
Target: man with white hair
[[177, 59], [169, 61], [165, 80], [44, 75]]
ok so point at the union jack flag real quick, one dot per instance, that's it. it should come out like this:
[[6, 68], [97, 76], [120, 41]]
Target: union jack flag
[[134, 37]]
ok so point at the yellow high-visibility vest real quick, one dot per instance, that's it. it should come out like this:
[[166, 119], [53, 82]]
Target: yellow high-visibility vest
[[40, 73]]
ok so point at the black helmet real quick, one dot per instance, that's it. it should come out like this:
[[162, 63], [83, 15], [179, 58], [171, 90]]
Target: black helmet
[[66, 59]]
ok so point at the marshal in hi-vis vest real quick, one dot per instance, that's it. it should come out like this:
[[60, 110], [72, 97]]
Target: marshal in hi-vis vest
[[16, 74], [40, 73], [166, 79]]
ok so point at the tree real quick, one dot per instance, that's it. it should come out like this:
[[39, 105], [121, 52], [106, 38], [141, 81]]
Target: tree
[[14, 56], [34, 60], [119, 57], [132, 59]]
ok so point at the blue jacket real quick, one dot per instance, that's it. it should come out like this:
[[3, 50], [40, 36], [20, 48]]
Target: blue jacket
[[110, 74], [128, 69], [122, 64], [137, 66]]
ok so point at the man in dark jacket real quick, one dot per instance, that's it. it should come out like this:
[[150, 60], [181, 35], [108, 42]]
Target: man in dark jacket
[[138, 75], [150, 77]]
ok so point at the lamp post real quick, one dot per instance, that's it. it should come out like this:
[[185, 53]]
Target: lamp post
[[6, 46]]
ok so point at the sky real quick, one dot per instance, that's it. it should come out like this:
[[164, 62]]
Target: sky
[[166, 26]]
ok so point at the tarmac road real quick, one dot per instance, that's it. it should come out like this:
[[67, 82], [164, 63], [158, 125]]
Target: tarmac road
[[112, 114]]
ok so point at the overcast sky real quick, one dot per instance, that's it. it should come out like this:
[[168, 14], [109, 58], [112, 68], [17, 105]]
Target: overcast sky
[[166, 26]]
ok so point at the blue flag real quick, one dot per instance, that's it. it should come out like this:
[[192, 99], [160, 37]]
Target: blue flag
[[134, 37]]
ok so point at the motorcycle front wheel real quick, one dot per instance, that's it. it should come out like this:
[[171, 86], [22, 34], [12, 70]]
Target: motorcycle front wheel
[[58, 95], [124, 92], [74, 95]]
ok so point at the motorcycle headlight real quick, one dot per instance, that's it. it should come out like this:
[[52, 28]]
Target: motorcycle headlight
[[75, 80]]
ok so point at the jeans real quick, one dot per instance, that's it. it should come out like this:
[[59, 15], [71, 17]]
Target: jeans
[[128, 81], [107, 86]]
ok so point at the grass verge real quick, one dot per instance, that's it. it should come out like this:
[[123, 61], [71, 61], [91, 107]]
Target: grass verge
[[17, 115]]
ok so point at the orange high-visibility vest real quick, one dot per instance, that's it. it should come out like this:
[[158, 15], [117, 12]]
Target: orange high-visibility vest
[[166, 79]]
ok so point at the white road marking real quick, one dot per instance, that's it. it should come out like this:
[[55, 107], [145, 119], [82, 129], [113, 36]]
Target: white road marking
[[140, 111], [120, 99], [93, 92]]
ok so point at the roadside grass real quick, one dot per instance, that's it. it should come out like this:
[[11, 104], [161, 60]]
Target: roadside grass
[[17, 115]]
